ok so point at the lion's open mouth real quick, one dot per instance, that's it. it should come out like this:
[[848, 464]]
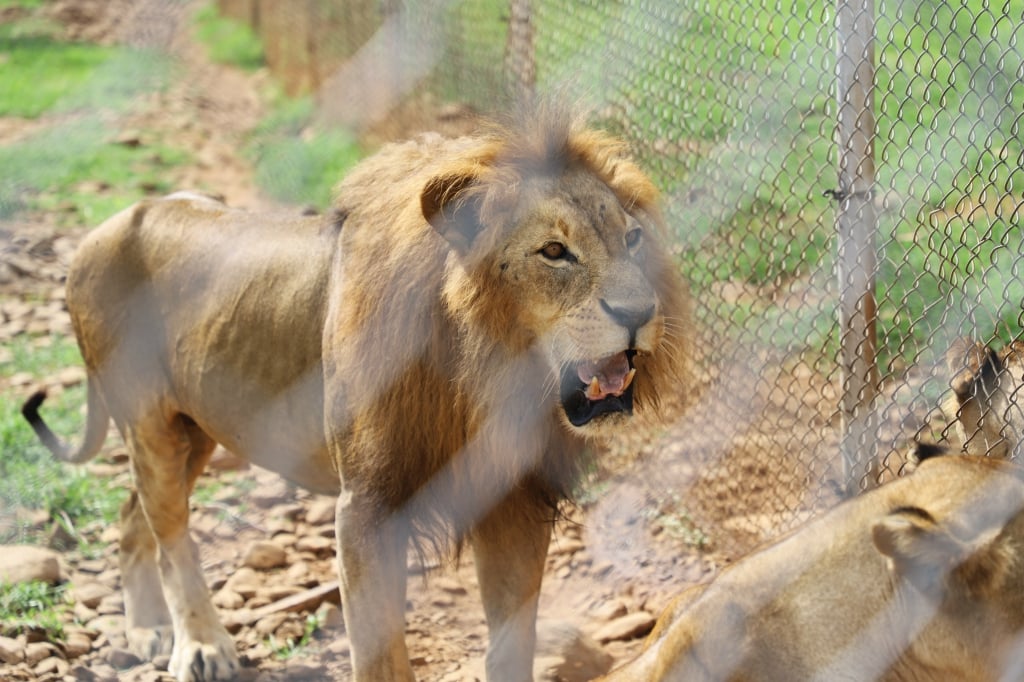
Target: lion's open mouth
[[592, 388]]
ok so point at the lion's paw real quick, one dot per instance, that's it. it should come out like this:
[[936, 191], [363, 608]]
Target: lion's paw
[[205, 662], [148, 643]]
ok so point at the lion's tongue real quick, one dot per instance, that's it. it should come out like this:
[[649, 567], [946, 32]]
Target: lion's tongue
[[605, 377]]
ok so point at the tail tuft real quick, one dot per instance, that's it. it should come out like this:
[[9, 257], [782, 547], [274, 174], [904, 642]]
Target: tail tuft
[[30, 410]]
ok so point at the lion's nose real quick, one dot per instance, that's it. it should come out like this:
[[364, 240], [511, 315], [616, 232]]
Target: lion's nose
[[630, 318]]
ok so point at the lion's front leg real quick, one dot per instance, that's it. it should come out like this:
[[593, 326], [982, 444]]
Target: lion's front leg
[[371, 564], [510, 546]]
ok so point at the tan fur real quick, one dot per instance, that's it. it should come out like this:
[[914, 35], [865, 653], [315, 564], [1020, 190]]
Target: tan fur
[[921, 579], [405, 352], [987, 402]]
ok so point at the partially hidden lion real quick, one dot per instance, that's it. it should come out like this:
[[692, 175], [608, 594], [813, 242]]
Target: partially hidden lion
[[921, 579], [439, 351], [987, 404]]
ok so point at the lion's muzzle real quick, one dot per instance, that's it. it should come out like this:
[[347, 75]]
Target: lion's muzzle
[[592, 388]]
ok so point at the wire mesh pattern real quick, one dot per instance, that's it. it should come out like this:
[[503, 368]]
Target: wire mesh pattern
[[732, 107]]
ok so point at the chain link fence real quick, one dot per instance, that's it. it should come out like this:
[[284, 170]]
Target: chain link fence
[[844, 185]]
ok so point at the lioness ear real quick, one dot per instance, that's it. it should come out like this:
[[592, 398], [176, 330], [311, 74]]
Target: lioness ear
[[926, 554], [920, 550], [971, 363], [449, 210]]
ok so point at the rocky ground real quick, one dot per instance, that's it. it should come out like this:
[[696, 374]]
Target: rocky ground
[[666, 508], [267, 547]]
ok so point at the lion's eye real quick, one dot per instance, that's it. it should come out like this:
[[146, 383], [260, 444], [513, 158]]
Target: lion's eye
[[633, 238], [554, 251]]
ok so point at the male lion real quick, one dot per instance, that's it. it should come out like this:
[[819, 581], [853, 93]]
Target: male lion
[[987, 401], [439, 352], [921, 579]]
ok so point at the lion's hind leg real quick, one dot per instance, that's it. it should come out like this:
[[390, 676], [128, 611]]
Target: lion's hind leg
[[148, 622], [167, 455]]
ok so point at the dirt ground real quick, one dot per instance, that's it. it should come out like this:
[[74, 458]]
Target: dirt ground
[[666, 508]]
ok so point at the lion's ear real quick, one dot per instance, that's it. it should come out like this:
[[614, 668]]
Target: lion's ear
[[452, 210]]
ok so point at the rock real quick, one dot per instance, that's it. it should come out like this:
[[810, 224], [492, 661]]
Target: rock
[[320, 511], [37, 651], [121, 659], [51, 665], [71, 376], [112, 604], [450, 586], [329, 616], [269, 493], [228, 599], [626, 627], [302, 672], [77, 644], [565, 546], [264, 555], [610, 610], [91, 593], [266, 625], [111, 626], [24, 563], [567, 655], [12, 651], [273, 593], [315, 544], [94, 673]]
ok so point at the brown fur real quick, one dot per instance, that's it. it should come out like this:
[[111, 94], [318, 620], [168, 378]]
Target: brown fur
[[920, 579], [405, 352], [987, 403]]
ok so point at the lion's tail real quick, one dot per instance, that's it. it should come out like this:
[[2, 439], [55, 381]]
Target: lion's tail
[[95, 430]]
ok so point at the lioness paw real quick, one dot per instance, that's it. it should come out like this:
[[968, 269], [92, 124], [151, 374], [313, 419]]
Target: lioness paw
[[200, 662], [148, 643]]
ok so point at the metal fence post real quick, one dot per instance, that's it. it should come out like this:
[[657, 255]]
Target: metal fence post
[[856, 224], [520, 61]]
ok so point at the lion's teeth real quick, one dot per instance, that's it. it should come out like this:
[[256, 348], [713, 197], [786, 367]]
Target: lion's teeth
[[594, 389], [629, 379]]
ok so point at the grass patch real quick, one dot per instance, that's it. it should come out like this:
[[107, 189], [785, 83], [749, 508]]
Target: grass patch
[[80, 87], [228, 41], [677, 523], [297, 164], [30, 478], [33, 606], [81, 173], [293, 646]]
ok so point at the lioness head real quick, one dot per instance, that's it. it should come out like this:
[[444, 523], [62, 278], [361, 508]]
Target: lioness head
[[987, 402], [560, 248]]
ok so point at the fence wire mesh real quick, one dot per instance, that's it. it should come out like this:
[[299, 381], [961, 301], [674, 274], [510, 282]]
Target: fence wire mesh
[[732, 106]]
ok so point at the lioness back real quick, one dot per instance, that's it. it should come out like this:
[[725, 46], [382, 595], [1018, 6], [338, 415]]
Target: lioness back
[[921, 579]]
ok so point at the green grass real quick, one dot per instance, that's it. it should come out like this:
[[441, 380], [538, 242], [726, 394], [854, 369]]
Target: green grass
[[731, 108], [228, 41], [295, 163], [33, 606], [293, 646], [79, 88], [30, 478]]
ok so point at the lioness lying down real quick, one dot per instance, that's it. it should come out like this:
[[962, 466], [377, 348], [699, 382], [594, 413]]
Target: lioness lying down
[[921, 579], [438, 351], [988, 400]]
